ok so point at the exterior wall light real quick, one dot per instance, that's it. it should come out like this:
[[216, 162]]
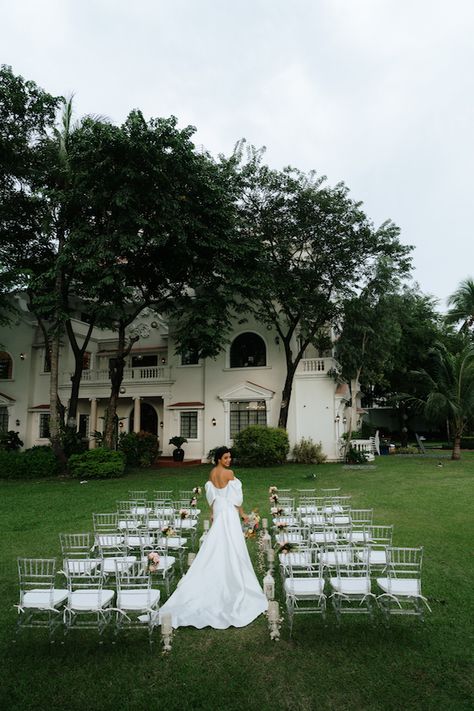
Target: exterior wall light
[[338, 418], [17, 423], [213, 422], [22, 356], [123, 391]]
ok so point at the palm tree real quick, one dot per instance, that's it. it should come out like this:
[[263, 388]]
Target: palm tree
[[462, 305], [449, 390]]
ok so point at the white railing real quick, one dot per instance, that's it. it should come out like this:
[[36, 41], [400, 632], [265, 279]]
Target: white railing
[[129, 374], [318, 366]]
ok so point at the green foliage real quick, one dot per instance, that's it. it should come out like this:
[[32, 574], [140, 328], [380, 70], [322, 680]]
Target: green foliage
[[34, 463], [72, 442], [308, 452], [406, 450], [261, 446], [355, 456], [140, 448], [10, 441], [97, 464], [177, 441]]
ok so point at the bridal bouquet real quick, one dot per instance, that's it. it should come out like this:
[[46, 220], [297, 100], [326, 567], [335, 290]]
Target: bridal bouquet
[[153, 561], [252, 524]]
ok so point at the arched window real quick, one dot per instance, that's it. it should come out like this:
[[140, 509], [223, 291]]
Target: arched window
[[6, 366], [248, 351]]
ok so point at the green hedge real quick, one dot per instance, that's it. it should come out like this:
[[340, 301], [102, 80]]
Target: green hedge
[[261, 446], [98, 463], [38, 462], [308, 452], [140, 448]]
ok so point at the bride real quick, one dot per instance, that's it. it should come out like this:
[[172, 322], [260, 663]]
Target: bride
[[220, 588]]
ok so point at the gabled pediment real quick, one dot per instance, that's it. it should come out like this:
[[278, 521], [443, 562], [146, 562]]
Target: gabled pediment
[[247, 391], [6, 400]]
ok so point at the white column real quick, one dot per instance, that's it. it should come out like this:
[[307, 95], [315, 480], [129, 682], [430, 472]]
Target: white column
[[136, 414], [92, 422]]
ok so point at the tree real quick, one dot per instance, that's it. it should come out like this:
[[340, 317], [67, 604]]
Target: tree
[[154, 215], [462, 305], [448, 384], [368, 336], [316, 248]]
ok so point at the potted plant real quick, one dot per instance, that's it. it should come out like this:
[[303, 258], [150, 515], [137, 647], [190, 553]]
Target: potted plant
[[178, 453]]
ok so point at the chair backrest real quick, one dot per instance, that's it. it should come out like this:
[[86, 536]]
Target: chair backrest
[[76, 545], [165, 496], [83, 574], [137, 494], [380, 536], [404, 562], [351, 563], [106, 522], [362, 516], [308, 564], [110, 545], [131, 575], [330, 492], [36, 573]]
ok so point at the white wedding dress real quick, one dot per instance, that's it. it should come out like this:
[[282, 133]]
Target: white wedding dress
[[220, 588]]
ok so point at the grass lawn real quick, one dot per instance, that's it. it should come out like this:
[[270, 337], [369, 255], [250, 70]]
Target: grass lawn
[[356, 666]]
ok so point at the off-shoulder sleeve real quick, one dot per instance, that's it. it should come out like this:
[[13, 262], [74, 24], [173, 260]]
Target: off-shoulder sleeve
[[210, 494], [236, 493]]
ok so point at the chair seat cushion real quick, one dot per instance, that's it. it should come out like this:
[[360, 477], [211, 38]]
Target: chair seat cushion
[[81, 567], [83, 600], [109, 540], [172, 541], [376, 557], [137, 600], [128, 523], [304, 587], [42, 599], [137, 541], [108, 565], [328, 558], [296, 560], [400, 587], [357, 536], [182, 523], [323, 537], [351, 586]]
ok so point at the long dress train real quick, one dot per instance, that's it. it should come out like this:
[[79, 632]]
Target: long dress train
[[220, 588]]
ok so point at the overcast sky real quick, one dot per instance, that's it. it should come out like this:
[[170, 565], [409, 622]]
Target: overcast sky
[[376, 93]]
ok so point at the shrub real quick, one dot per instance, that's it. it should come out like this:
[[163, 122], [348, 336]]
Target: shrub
[[355, 456], [140, 448], [10, 441], [308, 452], [97, 464], [406, 450], [261, 446], [38, 462]]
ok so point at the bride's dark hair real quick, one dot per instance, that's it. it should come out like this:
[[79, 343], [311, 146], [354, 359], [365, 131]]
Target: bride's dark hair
[[220, 451]]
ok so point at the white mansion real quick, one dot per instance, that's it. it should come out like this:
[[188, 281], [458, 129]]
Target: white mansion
[[207, 401]]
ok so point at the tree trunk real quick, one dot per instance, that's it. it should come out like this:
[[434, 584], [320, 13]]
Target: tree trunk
[[117, 366], [54, 402], [78, 368], [456, 448], [286, 396]]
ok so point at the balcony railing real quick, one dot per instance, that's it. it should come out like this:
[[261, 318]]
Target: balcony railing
[[130, 375], [315, 366]]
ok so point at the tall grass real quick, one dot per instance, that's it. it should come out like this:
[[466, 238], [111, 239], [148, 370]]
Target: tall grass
[[358, 666]]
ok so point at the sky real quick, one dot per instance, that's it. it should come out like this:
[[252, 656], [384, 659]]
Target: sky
[[375, 93]]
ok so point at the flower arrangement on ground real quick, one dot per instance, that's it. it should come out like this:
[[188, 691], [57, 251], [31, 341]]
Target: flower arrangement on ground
[[153, 561], [252, 524]]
